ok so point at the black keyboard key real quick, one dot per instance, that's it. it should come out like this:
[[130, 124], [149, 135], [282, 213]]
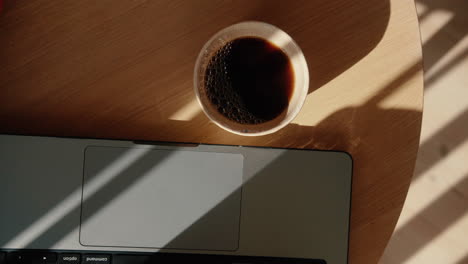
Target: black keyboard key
[[2, 258], [49, 257], [69, 258], [18, 258], [96, 259], [44, 258], [133, 259]]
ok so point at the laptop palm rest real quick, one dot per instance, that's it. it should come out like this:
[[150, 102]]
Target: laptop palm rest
[[153, 198]]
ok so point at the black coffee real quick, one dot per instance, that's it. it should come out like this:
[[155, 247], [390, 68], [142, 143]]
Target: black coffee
[[249, 80]]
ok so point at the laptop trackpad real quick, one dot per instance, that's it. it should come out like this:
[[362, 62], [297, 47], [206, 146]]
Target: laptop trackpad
[[137, 197]]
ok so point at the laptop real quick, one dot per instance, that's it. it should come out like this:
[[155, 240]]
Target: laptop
[[69, 200]]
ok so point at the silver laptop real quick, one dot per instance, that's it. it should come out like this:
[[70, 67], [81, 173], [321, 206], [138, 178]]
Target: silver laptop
[[111, 201]]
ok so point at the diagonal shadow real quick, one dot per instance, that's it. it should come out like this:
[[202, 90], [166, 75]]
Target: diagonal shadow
[[345, 143], [443, 41], [97, 201], [345, 112], [445, 211], [434, 150], [463, 260], [38, 203], [445, 69], [360, 118], [432, 60], [274, 175], [438, 45], [429, 63]]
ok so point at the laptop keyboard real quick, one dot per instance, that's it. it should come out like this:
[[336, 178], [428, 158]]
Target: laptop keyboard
[[50, 257]]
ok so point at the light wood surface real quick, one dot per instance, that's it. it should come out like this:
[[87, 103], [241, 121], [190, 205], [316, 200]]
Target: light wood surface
[[433, 226], [123, 69]]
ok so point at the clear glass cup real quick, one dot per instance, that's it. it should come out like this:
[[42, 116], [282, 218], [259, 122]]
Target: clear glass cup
[[275, 36]]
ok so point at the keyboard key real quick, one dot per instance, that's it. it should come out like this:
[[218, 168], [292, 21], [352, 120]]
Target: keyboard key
[[2, 258], [96, 259], [44, 258], [18, 258], [132, 259], [71, 258]]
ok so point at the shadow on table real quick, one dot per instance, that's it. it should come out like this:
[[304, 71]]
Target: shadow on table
[[334, 35], [359, 120], [334, 43], [450, 206]]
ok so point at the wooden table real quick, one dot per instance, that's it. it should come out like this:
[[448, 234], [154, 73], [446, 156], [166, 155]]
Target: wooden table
[[123, 69]]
